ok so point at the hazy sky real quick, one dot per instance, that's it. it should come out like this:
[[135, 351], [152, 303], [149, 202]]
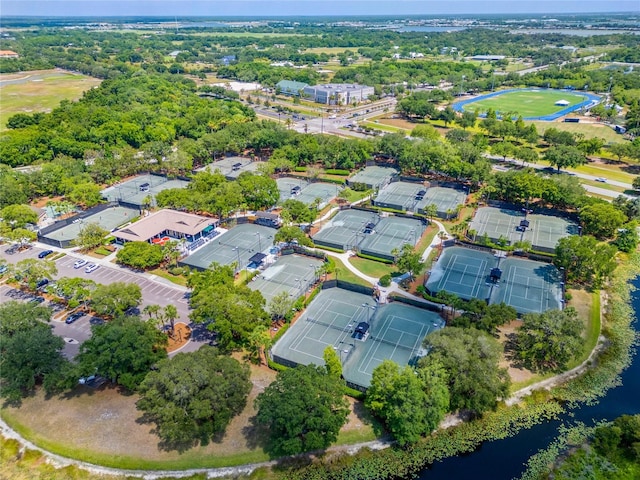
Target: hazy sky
[[216, 8]]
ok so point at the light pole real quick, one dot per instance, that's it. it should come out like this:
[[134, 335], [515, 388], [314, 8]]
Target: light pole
[[237, 250], [369, 308], [259, 242]]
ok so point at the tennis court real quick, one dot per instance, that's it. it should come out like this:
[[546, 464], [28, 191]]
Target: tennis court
[[445, 199], [345, 229], [528, 286], [390, 233], [399, 195], [463, 272], [109, 219], [290, 187], [293, 274], [393, 331], [236, 245], [231, 167], [324, 191], [134, 191], [543, 231], [374, 176]]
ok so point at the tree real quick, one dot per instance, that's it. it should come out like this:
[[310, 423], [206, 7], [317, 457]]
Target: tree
[[503, 149], [564, 156], [470, 359], [332, 362], [22, 317], [112, 300], [260, 191], [30, 271], [122, 350], [280, 306], [294, 211], [192, 397], [426, 131], [85, 194], [171, 252], [234, 311], [91, 235], [140, 255], [22, 236], [553, 136], [28, 357], [548, 341], [487, 318], [76, 290], [18, 216], [584, 259], [292, 234], [467, 119], [411, 403], [170, 315], [408, 260], [627, 239], [303, 408], [601, 219], [636, 183]]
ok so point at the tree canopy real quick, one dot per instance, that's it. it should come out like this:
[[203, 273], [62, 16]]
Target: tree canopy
[[470, 359], [112, 300], [192, 397], [584, 259], [140, 255], [549, 340], [303, 409], [122, 350], [411, 403]]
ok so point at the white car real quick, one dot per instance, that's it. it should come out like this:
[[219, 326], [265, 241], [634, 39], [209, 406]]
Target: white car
[[80, 263], [601, 180], [91, 267]]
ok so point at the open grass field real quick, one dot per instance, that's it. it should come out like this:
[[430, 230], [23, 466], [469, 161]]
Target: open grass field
[[589, 130], [39, 91], [528, 103], [102, 427]]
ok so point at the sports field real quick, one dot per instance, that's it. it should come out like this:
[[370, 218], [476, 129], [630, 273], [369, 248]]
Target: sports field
[[531, 103], [394, 331]]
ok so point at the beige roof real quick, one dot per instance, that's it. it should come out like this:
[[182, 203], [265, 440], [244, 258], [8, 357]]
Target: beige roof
[[158, 222]]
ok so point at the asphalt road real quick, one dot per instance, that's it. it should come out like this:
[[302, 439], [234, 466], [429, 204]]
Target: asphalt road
[[153, 292]]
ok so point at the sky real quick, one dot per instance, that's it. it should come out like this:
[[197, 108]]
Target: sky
[[253, 8]]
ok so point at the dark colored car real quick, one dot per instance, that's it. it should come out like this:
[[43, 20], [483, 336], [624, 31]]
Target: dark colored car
[[42, 283], [37, 300], [45, 253], [73, 317]]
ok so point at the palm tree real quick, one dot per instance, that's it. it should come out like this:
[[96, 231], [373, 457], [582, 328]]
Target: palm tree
[[171, 315], [431, 211]]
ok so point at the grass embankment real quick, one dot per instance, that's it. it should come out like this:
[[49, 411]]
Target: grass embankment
[[371, 267], [343, 273], [177, 279]]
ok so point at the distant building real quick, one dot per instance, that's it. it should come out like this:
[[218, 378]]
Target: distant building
[[488, 58], [338, 93], [8, 54], [175, 53], [290, 87], [228, 59]]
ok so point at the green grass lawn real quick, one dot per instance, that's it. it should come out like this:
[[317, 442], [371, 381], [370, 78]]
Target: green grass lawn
[[177, 279], [343, 273], [589, 130], [42, 93], [611, 172], [526, 102], [371, 267]]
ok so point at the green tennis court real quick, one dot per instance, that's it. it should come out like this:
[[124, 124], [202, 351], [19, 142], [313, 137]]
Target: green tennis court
[[391, 233], [232, 167], [293, 274], [463, 272], [318, 190], [395, 331], [528, 286], [286, 186], [543, 232], [399, 195], [135, 191], [445, 199], [344, 230], [373, 176], [236, 245]]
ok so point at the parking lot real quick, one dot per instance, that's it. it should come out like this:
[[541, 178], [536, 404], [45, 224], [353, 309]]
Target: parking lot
[[152, 293]]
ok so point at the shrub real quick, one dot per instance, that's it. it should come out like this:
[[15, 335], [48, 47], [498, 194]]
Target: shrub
[[385, 280], [336, 171]]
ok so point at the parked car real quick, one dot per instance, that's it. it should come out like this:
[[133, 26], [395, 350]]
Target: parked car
[[3, 268], [45, 253], [37, 300], [80, 263], [11, 250], [42, 283], [91, 267], [601, 180], [73, 317]]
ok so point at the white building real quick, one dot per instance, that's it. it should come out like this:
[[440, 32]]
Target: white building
[[338, 93]]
